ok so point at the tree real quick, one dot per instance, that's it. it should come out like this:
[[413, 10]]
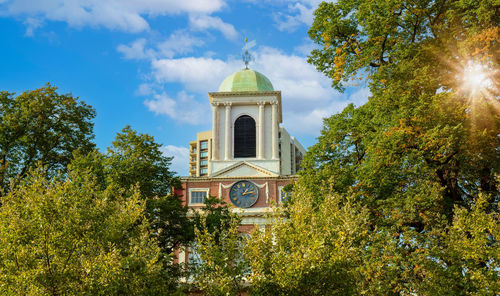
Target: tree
[[314, 251], [473, 244], [68, 236], [41, 126], [135, 160], [219, 244], [422, 154]]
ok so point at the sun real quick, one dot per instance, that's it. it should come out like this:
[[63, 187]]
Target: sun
[[478, 83], [477, 79]]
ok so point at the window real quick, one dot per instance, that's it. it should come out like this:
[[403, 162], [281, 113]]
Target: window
[[193, 256], [204, 162], [284, 195], [203, 171], [204, 145], [204, 154], [244, 137], [197, 196]]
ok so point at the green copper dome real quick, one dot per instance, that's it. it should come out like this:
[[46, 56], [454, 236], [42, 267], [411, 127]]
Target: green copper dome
[[246, 80]]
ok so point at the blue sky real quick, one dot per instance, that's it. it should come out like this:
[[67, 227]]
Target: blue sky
[[151, 63]]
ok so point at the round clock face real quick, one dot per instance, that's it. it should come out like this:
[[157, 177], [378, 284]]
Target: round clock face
[[244, 194]]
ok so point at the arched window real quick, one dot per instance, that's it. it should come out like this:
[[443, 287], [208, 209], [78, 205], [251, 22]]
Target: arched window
[[244, 137]]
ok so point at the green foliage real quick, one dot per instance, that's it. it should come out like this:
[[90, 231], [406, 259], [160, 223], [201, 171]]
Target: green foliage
[[473, 241], [69, 237], [41, 126], [315, 251], [416, 164], [219, 245], [215, 216], [135, 160], [360, 38], [109, 228]]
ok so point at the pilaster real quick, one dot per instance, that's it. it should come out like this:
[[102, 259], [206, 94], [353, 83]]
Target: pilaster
[[215, 131], [274, 130], [260, 132], [227, 150]]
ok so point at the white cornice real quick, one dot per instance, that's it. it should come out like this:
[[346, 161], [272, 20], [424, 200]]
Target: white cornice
[[241, 97], [244, 163]]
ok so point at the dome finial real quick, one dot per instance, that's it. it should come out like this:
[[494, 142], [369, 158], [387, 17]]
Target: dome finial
[[246, 56]]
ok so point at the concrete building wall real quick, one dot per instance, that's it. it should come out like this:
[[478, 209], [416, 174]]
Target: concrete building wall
[[285, 160]]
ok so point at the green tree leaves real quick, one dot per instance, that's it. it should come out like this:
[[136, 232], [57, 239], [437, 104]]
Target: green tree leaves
[[74, 221], [399, 196], [315, 251], [220, 247], [134, 162], [61, 237], [41, 126]]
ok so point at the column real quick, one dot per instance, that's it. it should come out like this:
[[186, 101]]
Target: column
[[215, 131], [260, 132], [227, 150], [274, 130]]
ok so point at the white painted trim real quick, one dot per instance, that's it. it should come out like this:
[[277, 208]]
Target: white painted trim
[[207, 190], [240, 163], [182, 255]]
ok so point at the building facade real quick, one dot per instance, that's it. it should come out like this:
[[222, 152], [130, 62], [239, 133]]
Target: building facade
[[247, 157]]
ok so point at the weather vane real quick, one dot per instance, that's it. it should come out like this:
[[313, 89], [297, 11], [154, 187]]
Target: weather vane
[[246, 56]]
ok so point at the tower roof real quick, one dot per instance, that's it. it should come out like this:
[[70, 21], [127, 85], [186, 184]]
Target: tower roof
[[246, 80]]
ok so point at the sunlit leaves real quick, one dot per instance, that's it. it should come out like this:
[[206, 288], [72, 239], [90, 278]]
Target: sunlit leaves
[[67, 237]]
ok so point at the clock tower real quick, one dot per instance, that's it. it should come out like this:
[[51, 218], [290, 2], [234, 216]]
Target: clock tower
[[247, 157]]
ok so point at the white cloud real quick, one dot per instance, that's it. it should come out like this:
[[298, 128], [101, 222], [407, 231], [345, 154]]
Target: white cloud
[[300, 82], [299, 13], [307, 95], [181, 158], [124, 15], [205, 22], [179, 42], [145, 89], [310, 121], [184, 108], [201, 74], [136, 50], [360, 96], [32, 24], [305, 48]]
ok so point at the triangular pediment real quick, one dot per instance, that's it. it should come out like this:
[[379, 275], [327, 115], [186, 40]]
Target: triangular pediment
[[243, 169]]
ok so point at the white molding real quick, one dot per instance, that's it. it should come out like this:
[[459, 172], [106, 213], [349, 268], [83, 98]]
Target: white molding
[[207, 190], [241, 163]]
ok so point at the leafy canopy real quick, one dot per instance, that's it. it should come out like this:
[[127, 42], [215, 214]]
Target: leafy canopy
[[66, 236], [134, 162], [41, 126], [417, 163]]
